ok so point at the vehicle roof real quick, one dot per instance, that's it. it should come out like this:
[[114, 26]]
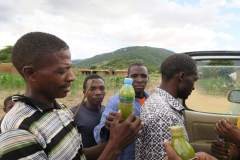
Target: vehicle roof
[[201, 55]]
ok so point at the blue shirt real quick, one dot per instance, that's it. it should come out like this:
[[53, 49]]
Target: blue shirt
[[100, 132]]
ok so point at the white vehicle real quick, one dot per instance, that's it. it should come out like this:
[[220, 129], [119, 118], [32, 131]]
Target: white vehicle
[[216, 95]]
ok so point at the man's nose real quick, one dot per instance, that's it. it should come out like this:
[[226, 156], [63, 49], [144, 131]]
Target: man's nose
[[138, 79], [71, 76], [99, 91]]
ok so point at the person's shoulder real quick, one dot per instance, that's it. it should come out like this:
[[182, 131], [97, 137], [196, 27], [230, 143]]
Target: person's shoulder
[[155, 98], [155, 107], [16, 115]]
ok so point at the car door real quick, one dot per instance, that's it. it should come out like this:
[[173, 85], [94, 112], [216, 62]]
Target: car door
[[219, 73]]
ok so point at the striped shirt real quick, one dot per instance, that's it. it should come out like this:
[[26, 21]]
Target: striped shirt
[[17, 144], [52, 126]]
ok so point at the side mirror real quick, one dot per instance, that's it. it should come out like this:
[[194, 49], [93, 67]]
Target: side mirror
[[234, 96]]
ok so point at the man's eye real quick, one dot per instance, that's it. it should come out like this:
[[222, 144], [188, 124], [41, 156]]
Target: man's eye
[[134, 76], [92, 88], [61, 72], [102, 88]]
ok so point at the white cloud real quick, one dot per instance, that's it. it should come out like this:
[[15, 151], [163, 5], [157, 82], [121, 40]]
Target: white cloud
[[96, 26]]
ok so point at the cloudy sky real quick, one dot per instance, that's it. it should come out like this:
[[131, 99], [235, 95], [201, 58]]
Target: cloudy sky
[[92, 27]]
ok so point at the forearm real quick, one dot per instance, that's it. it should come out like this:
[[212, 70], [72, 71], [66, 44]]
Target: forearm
[[110, 152], [102, 151], [92, 153]]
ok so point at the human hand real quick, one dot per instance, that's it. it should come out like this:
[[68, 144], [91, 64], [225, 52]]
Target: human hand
[[233, 152], [123, 133], [225, 150], [171, 154], [110, 118], [220, 149], [226, 129], [204, 156]]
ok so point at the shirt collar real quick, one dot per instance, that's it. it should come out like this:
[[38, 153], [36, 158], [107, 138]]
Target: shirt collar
[[173, 102], [36, 104]]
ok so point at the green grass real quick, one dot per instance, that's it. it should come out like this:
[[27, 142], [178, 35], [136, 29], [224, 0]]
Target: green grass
[[15, 81], [213, 86], [11, 81]]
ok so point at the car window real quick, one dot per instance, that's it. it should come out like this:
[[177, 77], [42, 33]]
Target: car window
[[216, 79]]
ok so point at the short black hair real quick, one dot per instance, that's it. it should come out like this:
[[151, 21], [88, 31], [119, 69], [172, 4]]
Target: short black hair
[[91, 76], [32, 46], [6, 100], [135, 64], [177, 63]]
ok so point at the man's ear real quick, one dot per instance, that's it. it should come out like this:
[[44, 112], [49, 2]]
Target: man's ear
[[28, 73], [181, 76]]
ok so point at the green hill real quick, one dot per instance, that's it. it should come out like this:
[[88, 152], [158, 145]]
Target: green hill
[[121, 58]]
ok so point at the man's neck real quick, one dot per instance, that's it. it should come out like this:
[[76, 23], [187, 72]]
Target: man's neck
[[139, 95], [40, 98], [93, 107], [170, 88]]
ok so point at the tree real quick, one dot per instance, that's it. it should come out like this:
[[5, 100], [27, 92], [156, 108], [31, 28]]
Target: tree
[[5, 54], [93, 67]]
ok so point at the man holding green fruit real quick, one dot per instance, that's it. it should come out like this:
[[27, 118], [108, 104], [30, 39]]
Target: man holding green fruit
[[139, 73], [164, 108], [172, 155]]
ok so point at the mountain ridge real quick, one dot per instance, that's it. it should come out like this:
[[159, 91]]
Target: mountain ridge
[[121, 58]]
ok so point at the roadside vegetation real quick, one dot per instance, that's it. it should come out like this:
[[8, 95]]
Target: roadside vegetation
[[14, 84]]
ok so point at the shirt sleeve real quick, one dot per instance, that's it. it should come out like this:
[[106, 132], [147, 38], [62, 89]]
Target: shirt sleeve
[[149, 144], [20, 144], [100, 132]]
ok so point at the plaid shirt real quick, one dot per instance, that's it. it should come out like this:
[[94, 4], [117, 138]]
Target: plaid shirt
[[161, 110], [52, 126]]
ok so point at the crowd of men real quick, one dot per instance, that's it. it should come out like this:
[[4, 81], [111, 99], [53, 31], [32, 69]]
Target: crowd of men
[[36, 126]]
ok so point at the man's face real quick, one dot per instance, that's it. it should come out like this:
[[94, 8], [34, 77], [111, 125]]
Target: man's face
[[52, 79], [186, 86], [95, 91], [139, 74]]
